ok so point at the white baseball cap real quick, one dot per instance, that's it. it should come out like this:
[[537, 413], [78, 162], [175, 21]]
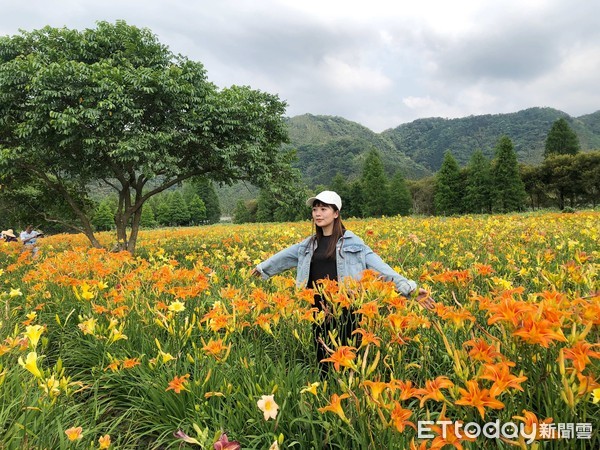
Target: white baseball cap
[[329, 197]]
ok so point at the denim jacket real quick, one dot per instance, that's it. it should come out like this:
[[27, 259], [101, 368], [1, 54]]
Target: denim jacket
[[355, 257]]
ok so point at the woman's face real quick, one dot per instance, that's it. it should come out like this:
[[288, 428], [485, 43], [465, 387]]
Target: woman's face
[[324, 215]]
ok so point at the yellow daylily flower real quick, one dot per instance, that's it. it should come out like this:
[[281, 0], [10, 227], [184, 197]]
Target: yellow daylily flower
[[33, 333], [30, 364], [312, 388], [51, 387], [104, 441], [88, 326], [177, 306], [596, 395]]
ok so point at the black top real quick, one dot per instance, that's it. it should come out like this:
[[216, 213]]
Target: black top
[[322, 267]]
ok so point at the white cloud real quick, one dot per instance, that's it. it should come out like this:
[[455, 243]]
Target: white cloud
[[380, 63], [341, 75]]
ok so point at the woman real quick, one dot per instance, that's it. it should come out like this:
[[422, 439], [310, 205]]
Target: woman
[[8, 236], [334, 253]]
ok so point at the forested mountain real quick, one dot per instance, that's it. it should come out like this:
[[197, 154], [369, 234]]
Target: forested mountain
[[426, 140], [329, 145]]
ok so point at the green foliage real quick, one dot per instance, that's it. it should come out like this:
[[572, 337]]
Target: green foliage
[[375, 191], [242, 214], [353, 205], [329, 145], [148, 220], [400, 201], [104, 215], [197, 210], [423, 195], [534, 186], [561, 140], [448, 190], [265, 206], [205, 189], [426, 140], [112, 104], [161, 210], [178, 211], [508, 188], [478, 190]]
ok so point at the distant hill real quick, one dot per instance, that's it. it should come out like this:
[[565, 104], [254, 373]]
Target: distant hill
[[329, 145], [426, 140]]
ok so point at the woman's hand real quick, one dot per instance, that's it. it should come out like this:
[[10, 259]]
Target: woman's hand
[[424, 299], [256, 273]]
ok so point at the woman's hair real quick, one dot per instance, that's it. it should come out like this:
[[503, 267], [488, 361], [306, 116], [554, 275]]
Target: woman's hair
[[337, 233]]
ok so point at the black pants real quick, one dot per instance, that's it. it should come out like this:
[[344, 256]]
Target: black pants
[[345, 325]]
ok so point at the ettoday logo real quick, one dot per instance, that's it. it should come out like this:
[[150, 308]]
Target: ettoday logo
[[472, 430], [507, 430]]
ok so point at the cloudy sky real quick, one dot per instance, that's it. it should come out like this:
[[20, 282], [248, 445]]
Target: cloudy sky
[[379, 63]]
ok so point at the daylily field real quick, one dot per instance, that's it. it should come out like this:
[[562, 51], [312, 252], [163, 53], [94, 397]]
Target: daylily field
[[178, 347]]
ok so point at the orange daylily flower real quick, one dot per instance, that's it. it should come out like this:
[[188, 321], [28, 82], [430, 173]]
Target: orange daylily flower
[[580, 353], [478, 398], [587, 383], [215, 348], [335, 406], [74, 433], [433, 388], [541, 332], [177, 384], [399, 417], [369, 310], [530, 421], [482, 351], [99, 309], [343, 356], [457, 316], [367, 337], [500, 374], [483, 269], [307, 295], [508, 310], [131, 363], [406, 389]]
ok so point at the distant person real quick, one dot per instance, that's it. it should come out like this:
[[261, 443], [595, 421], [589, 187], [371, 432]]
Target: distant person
[[8, 236], [334, 253], [29, 239]]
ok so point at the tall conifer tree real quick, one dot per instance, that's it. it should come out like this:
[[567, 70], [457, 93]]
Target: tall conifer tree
[[206, 190], [400, 200], [561, 139], [509, 190], [478, 191], [178, 210], [448, 195], [375, 186]]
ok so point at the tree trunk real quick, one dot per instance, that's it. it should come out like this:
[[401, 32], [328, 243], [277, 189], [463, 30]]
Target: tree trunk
[[135, 227]]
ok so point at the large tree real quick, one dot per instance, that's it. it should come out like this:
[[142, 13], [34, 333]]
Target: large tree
[[561, 139], [112, 105]]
